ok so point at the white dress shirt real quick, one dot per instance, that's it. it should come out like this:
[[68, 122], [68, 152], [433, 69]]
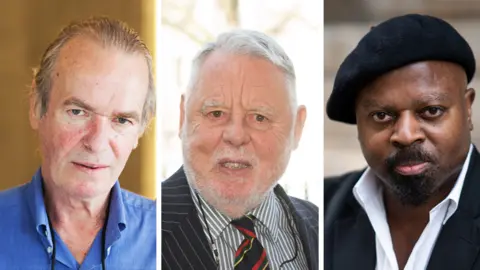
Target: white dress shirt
[[271, 227], [369, 195]]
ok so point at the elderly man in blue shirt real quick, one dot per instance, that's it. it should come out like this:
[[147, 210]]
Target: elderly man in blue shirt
[[92, 98]]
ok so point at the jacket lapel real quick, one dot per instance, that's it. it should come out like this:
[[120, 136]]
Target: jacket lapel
[[184, 244], [307, 226], [349, 237], [458, 244], [354, 243]]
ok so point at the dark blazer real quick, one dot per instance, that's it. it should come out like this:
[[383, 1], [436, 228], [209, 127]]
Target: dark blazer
[[350, 239], [184, 243]]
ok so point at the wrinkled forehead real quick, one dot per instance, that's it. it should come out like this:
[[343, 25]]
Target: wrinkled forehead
[[100, 75], [87, 53], [432, 80], [225, 76]]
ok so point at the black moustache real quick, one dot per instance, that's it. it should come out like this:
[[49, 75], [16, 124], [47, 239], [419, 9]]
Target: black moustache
[[411, 155]]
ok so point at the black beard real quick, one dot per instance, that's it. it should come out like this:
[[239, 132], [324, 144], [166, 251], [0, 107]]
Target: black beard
[[412, 190]]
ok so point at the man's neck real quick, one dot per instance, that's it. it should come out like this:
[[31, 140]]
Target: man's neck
[[407, 222], [405, 214], [77, 221], [408, 214], [65, 211]]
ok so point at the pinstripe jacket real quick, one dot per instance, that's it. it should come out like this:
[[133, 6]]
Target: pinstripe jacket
[[184, 243]]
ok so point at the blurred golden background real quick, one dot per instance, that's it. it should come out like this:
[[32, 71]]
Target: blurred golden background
[[26, 29], [346, 22]]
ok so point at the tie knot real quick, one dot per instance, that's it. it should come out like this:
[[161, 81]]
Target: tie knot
[[245, 225]]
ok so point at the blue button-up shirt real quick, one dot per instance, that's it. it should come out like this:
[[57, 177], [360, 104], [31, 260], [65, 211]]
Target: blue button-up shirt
[[26, 243]]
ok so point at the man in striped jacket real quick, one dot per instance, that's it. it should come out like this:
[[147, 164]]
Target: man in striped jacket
[[239, 124]]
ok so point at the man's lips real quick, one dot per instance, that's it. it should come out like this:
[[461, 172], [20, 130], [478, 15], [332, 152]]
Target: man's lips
[[91, 166], [234, 164], [411, 169]]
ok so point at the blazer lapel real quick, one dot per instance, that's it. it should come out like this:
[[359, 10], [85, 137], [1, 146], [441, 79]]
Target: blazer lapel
[[458, 244], [307, 226], [349, 238], [184, 244], [354, 243]]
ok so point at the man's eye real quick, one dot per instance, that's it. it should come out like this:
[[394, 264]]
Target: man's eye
[[216, 114], [77, 112], [260, 118], [433, 112], [123, 121], [381, 117]]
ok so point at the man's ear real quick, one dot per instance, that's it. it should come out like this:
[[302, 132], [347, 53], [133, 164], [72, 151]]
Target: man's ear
[[34, 112], [182, 115], [299, 124], [469, 98], [135, 145]]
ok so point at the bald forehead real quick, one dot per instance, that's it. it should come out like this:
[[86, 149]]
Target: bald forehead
[[444, 76], [78, 51], [428, 71], [224, 70]]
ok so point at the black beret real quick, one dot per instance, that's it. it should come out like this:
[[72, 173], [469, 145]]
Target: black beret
[[395, 43]]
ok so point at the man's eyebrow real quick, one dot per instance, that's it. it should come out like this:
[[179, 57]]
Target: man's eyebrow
[[131, 115], [77, 102], [431, 97], [263, 109], [211, 103], [425, 98], [370, 103], [82, 104]]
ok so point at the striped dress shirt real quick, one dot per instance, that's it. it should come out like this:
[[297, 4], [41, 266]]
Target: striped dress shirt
[[272, 229]]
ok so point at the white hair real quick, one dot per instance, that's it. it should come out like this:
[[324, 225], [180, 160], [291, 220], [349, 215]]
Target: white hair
[[253, 43]]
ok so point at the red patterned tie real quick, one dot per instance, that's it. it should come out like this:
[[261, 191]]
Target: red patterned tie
[[250, 254]]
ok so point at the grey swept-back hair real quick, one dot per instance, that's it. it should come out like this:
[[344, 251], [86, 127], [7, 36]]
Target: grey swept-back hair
[[107, 31], [253, 43]]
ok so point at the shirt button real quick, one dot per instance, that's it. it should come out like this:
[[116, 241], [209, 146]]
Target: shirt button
[[108, 250], [49, 250]]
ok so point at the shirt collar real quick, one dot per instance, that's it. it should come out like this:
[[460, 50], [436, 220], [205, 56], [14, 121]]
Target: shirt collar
[[454, 195], [116, 220], [37, 204], [216, 221], [267, 213], [368, 193]]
